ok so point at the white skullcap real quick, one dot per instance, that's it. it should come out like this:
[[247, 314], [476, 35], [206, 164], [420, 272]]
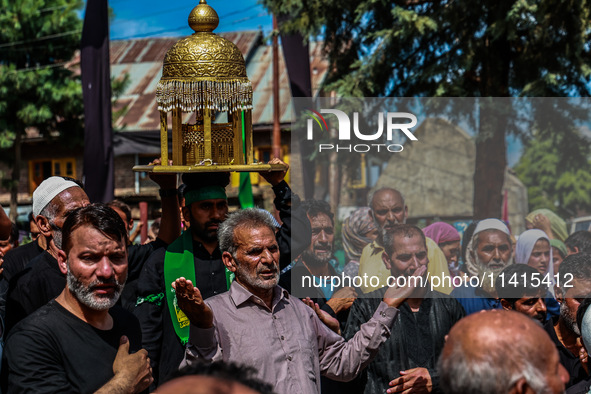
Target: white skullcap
[[47, 190], [491, 224]]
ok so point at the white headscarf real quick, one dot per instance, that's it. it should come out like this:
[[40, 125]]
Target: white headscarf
[[486, 224], [525, 245]]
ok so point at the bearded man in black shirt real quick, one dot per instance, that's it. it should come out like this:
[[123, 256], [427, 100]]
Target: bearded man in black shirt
[[80, 341]]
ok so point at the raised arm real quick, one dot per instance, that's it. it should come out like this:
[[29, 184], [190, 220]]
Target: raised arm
[[170, 226]]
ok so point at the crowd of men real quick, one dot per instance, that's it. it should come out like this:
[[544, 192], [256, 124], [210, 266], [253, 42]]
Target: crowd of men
[[246, 302]]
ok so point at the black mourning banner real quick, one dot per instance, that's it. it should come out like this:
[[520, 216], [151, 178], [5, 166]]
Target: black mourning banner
[[96, 89]]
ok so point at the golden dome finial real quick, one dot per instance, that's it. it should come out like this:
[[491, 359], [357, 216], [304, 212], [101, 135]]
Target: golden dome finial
[[203, 18]]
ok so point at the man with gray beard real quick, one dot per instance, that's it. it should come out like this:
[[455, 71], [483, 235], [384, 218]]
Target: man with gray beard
[[80, 341], [572, 286], [488, 253]]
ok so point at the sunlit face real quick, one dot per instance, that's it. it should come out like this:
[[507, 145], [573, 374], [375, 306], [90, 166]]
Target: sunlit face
[[493, 252], [540, 256], [388, 209], [256, 261], [206, 217], [320, 249], [534, 307], [408, 255], [96, 267]]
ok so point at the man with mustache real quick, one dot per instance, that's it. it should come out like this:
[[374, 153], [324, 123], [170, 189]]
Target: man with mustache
[[520, 289], [257, 323], [407, 360], [80, 341], [316, 262], [488, 253], [196, 255]]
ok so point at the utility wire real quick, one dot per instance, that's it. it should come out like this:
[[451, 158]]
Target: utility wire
[[142, 35]]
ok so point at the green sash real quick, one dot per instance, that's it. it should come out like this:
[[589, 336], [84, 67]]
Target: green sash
[[179, 261]]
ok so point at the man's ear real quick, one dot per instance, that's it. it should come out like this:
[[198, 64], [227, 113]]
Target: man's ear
[[386, 260], [44, 226], [130, 225], [229, 261], [62, 261], [186, 211], [521, 387], [506, 304]]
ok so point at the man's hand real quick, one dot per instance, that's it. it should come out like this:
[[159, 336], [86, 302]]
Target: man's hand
[[132, 371], [416, 380], [342, 299], [165, 180], [274, 177], [191, 303], [395, 296], [324, 316], [584, 357]]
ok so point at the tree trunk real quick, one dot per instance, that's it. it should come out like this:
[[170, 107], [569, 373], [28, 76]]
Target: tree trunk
[[16, 169], [491, 161]]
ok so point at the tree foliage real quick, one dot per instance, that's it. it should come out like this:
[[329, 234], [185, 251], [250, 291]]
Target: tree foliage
[[554, 180], [39, 37], [458, 48], [37, 40]]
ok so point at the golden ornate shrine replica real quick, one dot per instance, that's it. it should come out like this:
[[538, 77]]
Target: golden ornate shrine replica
[[205, 74]]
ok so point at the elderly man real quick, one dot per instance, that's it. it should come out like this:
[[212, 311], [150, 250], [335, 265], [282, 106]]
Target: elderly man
[[257, 323], [488, 253], [53, 200], [572, 286], [520, 289], [407, 359], [80, 342], [387, 210], [197, 256], [500, 352]]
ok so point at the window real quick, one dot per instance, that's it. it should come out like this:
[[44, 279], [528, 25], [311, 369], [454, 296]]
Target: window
[[40, 170]]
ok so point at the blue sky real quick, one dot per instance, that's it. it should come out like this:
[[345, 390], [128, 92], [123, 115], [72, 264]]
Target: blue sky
[[151, 18]]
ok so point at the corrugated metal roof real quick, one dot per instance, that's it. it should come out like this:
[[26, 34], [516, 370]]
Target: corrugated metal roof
[[142, 60]]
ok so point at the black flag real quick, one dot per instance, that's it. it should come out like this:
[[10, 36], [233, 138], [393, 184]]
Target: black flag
[[96, 89], [297, 61]]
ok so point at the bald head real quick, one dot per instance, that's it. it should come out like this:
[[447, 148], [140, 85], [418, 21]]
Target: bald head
[[387, 208], [500, 351], [204, 385]]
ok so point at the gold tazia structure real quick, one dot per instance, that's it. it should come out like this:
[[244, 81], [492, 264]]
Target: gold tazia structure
[[205, 75]]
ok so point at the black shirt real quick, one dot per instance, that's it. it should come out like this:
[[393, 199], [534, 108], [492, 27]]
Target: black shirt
[[417, 338], [570, 362], [54, 351]]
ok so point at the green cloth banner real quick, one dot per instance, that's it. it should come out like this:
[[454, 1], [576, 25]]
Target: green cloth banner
[[179, 261], [245, 190]]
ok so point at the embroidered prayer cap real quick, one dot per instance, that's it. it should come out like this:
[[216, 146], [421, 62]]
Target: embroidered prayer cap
[[47, 191]]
